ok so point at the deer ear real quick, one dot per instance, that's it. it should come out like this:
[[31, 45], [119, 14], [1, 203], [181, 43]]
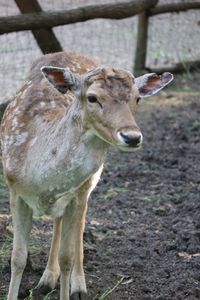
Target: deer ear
[[61, 78], [151, 83]]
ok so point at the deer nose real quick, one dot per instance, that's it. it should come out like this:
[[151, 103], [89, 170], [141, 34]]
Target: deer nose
[[132, 139]]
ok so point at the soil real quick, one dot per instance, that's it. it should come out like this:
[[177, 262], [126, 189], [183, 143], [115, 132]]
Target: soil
[[142, 237], [172, 38]]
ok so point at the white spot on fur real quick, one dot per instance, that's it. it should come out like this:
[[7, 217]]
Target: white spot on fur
[[7, 163], [16, 111], [78, 66], [73, 69], [17, 131], [32, 142], [21, 125], [42, 103], [53, 104], [8, 140], [14, 122], [20, 139], [12, 104], [9, 117]]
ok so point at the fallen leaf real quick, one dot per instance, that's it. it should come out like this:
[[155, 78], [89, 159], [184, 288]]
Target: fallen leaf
[[127, 281], [185, 255]]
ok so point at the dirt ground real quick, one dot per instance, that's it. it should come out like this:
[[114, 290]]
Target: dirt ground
[[142, 238], [172, 38]]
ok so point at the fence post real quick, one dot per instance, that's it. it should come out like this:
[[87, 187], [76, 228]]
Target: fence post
[[45, 37], [141, 43]]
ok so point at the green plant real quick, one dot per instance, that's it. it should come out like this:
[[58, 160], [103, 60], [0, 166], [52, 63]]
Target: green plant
[[5, 250], [108, 291], [48, 296], [31, 295]]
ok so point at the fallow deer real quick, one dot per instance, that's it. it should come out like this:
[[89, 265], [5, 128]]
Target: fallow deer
[[55, 135]]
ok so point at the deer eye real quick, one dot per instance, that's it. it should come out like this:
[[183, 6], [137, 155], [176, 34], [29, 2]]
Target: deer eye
[[92, 99], [138, 99]]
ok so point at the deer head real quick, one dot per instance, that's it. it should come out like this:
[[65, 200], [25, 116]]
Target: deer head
[[109, 99]]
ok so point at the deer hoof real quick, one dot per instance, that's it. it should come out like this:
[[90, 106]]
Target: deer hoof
[[78, 296]]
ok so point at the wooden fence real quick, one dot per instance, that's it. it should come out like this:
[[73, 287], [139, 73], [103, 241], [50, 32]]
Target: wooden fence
[[41, 24], [142, 38]]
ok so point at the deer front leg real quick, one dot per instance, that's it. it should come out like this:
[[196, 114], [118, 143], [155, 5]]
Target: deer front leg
[[52, 271], [22, 221], [78, 285], [72, 219], [67, 246]]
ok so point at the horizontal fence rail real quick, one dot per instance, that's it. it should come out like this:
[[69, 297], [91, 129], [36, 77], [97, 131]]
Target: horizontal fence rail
[[38, 20], [172, 8], [177, 68], [41, 24]]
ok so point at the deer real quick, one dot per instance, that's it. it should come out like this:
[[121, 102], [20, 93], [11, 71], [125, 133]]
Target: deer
[[55, 135]]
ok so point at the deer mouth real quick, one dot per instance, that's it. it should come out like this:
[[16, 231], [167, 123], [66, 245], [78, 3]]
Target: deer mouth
[[129, 148], [129, 141]]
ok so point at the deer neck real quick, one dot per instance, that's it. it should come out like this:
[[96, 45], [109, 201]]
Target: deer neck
[[80, 135], [69, 145]]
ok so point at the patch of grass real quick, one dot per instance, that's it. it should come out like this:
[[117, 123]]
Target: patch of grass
[[3, 187], [31, 295], [109, 291], [151, 198], [157, 54], [34, 248], [5, 250], [112, 192], [3, 297], [48, 296], [196, 123]]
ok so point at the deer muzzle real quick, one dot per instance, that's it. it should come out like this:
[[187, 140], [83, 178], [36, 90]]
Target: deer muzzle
[[129, 140]]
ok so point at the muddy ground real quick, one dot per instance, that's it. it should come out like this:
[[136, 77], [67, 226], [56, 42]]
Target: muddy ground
[[142, 237], [172, 38]]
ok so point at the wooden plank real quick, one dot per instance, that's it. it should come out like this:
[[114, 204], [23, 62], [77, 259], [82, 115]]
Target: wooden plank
[[181, 67], [45, 38], [173, 7], [39, 20]]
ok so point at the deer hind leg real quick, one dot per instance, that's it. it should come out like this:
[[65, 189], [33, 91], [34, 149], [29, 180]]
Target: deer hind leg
[[52, 271], [22, 221]]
